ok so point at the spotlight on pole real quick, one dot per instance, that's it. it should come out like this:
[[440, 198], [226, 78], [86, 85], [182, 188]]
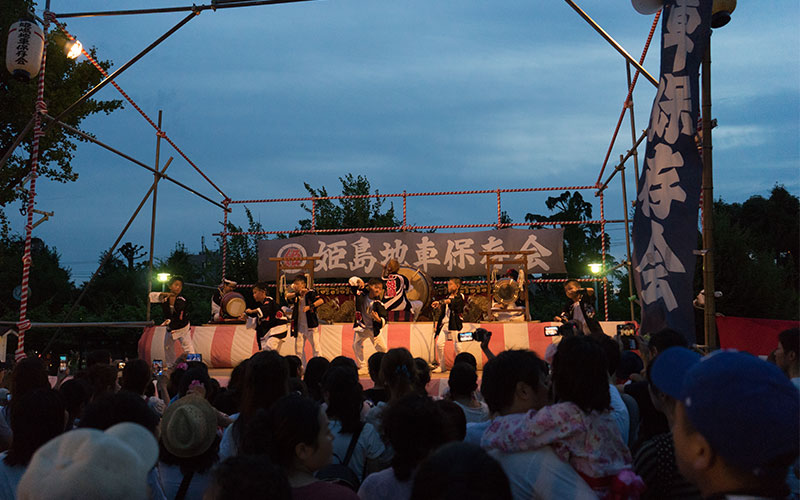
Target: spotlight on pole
[[162, 277], [74, 49], [595, 268]]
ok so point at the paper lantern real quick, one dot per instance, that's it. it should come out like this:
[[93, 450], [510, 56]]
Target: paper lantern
[[721, 12], [647, 7], [24, 49]]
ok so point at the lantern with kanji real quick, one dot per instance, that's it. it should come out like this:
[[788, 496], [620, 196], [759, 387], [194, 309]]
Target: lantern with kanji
[[24, 49]]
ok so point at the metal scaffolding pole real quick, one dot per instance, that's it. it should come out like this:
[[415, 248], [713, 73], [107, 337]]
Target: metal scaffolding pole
[[165, 10], [106, 257], [613, 42], [124, 67], [633, 129], [627, 240], [153, 217], [133, 160]]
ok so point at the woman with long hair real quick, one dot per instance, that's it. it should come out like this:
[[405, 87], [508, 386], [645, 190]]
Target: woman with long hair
[[266, 380], [344, 398]]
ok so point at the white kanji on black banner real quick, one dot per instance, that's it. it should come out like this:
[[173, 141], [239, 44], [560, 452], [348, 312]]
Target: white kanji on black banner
[[668, 195]]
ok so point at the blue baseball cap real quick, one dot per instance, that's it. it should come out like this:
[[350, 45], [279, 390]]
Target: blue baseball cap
[[746, 408], [670, 369]]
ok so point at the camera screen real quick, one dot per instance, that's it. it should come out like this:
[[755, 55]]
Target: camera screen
[[62, 363], [158, 367], [465, 336], [550, 331], [194, 357], [626, 329]]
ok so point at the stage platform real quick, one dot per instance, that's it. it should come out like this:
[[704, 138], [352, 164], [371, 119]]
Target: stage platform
[[225, 346]]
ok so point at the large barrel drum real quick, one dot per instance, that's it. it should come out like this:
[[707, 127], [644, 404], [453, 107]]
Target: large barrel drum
[[233, 304], [421, 285]]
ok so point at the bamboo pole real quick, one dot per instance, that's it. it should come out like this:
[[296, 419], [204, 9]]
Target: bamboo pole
[[710, 310]]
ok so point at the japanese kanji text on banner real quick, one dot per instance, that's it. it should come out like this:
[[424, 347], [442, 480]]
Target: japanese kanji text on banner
[[437, 254], [665, 222]]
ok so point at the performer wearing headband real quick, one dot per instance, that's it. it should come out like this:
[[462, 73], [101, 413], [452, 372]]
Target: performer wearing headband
[[580, 308], [270, 319], [305, 324], [217, 314], [396, 285], [370, 317], [176, 309], [449, 313]]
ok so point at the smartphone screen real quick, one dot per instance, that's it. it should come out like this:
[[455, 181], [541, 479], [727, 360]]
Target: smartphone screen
[[464, 336], [62, 363], [158, 367], [550, 331], [626, 329]]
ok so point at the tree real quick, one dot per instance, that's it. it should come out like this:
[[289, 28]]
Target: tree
[[241, 261], [582, 246], [349, 213], [756, 256], [51, 287], [131, 252], [65, 81]]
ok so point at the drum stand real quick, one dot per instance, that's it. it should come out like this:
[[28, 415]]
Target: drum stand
[[305, 264], [501, 259]]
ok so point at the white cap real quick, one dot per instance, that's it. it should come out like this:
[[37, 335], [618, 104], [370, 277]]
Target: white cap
[[91, 464]]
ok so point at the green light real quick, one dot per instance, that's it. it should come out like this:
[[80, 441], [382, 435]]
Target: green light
[[163, 277]]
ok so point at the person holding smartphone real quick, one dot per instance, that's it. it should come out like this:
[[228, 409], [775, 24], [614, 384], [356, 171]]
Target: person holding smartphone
[[449, 312]]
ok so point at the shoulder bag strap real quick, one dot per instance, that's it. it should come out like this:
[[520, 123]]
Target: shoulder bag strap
[[187, 478], [352, 447]]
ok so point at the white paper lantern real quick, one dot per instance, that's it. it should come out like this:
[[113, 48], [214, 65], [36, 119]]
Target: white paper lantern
[[647, 7], [24, 49]]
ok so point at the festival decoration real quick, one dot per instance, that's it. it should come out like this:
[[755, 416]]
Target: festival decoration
[[24, 49], [665, 221]]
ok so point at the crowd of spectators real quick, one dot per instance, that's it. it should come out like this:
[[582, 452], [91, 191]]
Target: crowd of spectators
[[663, 421]]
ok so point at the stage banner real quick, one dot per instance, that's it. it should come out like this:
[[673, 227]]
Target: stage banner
[[437, 254], [665, 222]]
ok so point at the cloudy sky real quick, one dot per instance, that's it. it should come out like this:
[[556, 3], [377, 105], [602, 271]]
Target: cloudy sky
[[416, 95]]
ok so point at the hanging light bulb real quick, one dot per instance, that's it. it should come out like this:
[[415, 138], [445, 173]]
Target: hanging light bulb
[[74, 50]]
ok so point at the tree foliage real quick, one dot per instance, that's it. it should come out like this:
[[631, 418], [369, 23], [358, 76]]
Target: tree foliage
[[241, 262], [349, 213], [582, 246], [65, 81], [756, 256], [50, 285]]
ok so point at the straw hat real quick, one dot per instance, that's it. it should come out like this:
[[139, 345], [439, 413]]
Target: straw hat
[[189, 426]]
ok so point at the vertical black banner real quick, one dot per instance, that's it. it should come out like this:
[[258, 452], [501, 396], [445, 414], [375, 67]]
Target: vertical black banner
[[668, 195]]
